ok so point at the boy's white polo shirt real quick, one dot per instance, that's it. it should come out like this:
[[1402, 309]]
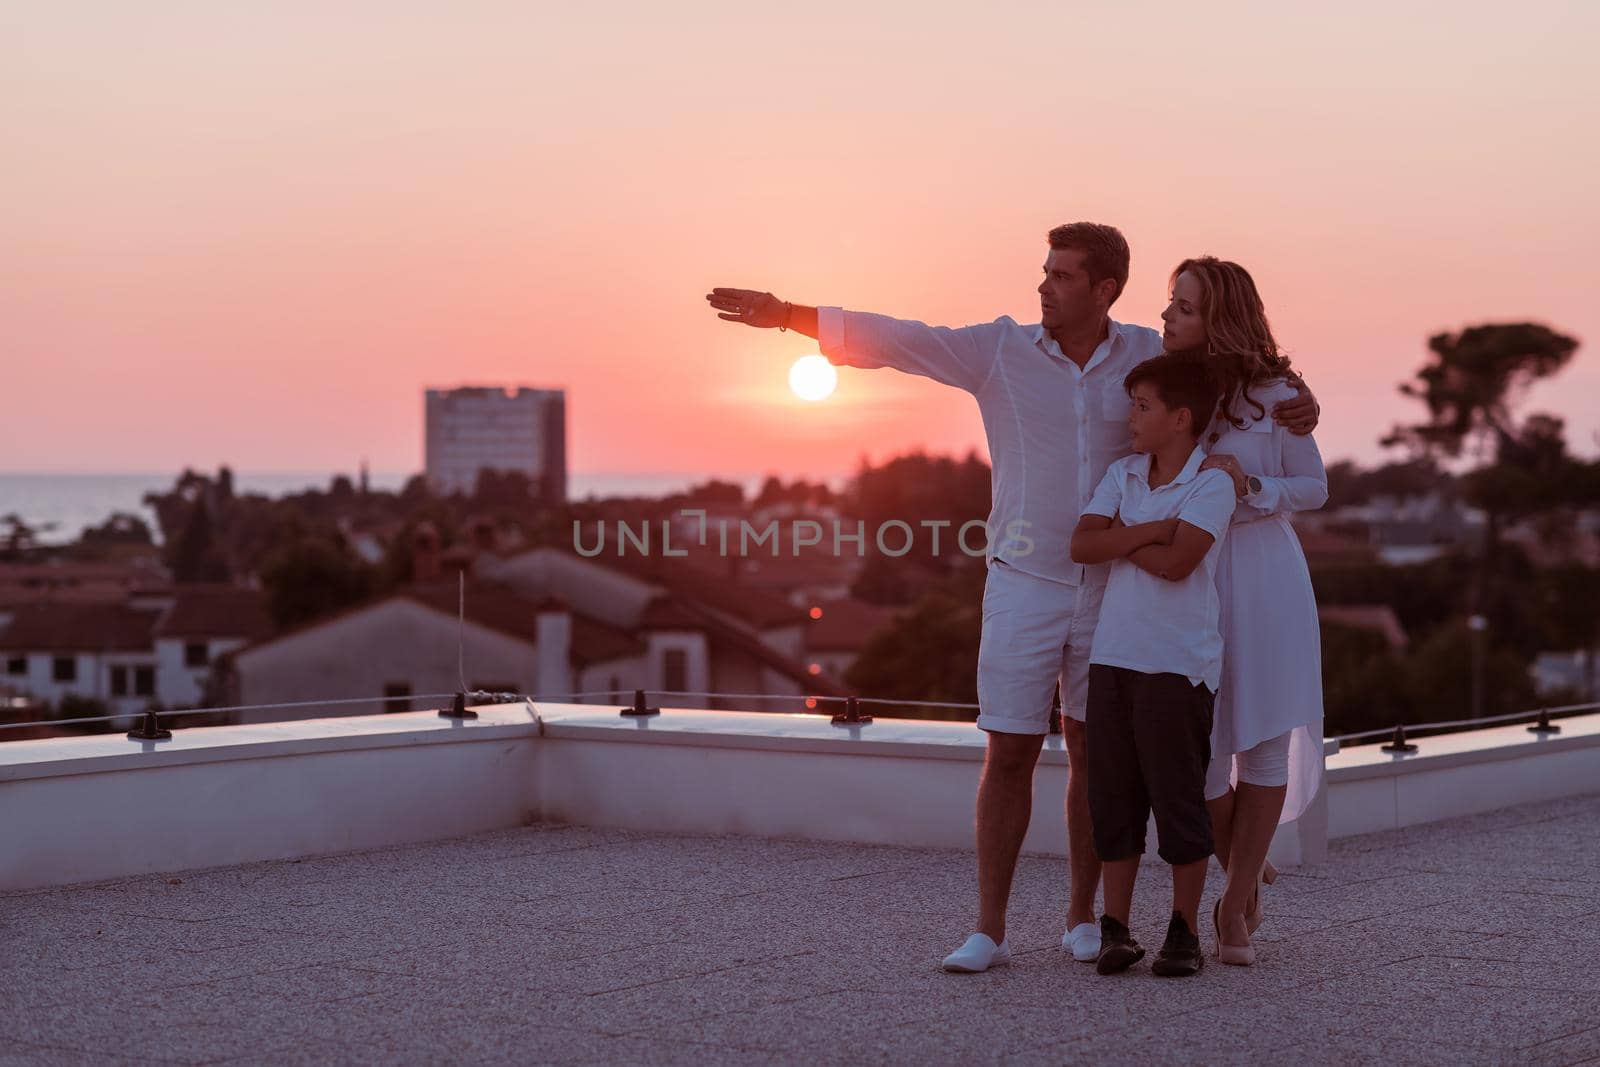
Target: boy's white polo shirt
[[1150, 624]]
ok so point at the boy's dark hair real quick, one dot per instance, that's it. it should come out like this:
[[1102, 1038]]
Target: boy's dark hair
[[1180, 382]]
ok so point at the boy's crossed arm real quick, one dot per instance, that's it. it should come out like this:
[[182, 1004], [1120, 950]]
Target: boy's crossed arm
[[1099, 539], [1169, 548], [1175, 561]]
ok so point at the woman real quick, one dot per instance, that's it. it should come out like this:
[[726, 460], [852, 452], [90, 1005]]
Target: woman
[[1266, 741]]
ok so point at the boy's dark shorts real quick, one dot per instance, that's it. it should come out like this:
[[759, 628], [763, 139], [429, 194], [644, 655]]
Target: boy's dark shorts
[[1149, 741]]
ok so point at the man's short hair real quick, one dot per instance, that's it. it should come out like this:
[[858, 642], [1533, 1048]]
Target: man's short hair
[[1105, 251], [1180, 382]]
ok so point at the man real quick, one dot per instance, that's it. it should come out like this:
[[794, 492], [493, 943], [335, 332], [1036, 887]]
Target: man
[[1056, 416]]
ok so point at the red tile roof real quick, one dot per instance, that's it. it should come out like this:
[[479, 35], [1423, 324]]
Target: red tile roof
[[72, 627], [708, 582], [1378, 617], [1327, 547], [216, 611], [73, 580], [499, 608]]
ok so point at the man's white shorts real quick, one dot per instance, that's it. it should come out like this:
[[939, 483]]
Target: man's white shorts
[[1035, 632]]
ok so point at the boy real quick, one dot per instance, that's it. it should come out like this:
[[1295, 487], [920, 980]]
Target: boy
[[1157, 654]]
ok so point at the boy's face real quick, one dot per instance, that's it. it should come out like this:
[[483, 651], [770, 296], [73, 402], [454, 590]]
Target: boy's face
[[1152, 424]]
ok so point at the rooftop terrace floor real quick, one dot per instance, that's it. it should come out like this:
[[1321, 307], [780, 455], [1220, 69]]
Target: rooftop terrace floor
[[1472, 941]]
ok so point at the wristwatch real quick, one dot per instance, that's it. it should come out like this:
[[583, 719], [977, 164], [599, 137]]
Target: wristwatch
[[1252, 485]]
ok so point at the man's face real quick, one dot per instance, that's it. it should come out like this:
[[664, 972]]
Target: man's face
[[1184, 326], [1066, 297], [1151, 424]]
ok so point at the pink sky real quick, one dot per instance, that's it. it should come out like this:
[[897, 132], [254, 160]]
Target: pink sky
[[254, 233]]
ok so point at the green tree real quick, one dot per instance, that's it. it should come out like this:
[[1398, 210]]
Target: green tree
[[196, 557], [174, 506], [1361, 676], [930, 652], [121, 528], [1469, 387], [1349, 484], [312, 577], [1438, 686], [1471, 381], [18, 537], [1422, 595], [1570, 610], [933, 496]]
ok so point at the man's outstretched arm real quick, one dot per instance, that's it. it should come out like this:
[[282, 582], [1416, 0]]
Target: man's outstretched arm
[[962, 357], [763, 310]]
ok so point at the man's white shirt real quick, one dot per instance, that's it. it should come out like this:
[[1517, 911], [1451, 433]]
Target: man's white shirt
[[1053, 429], [1150, 624]]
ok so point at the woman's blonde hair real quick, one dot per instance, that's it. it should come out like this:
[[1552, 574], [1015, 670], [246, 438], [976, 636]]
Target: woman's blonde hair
[[1240, 349]]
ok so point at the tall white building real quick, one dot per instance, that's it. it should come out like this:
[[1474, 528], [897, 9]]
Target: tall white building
[[501, 429]]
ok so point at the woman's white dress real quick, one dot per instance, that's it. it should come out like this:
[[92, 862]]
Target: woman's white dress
[[1272, 647]]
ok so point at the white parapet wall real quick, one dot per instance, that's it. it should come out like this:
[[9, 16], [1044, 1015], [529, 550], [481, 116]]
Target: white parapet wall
[[1460, 774], [895, 781], [87, 808]]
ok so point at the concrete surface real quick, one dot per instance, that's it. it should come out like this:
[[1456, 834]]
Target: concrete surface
[[1470, 941]]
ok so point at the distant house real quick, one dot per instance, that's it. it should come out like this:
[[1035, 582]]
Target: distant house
[[152, 648], [200, 625], [1556, 539], [705, 633], [1406, 530], [1331, 548], [1573, 674], [545, 623], [1379, 618], [74, 581], [406, 645]]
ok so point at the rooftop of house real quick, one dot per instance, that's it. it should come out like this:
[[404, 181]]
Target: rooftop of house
[[708, 581], [1467, 941], [1322, 545], [502, 609], [1376, 617], [216, 611], [134, 625], [76, 580], [80, 627]]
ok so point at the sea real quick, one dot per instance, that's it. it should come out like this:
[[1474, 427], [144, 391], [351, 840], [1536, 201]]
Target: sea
[[61, 506]]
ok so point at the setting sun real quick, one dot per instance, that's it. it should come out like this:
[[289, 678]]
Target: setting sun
[[812, 378]]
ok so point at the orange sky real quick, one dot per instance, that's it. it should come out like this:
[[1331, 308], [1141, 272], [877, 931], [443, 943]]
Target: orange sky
[[254, 233]]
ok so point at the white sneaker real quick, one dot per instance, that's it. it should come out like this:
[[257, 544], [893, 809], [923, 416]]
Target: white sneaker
[[977, 955], [1083, 941]]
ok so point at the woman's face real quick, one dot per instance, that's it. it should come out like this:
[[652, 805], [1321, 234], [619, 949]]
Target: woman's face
[[1185, 328]]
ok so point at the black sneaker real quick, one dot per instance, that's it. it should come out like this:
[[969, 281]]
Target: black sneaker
[[1118, 949], [1180, 955]]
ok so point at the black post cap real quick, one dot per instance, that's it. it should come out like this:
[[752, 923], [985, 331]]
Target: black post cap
[[640, 708], [458, 709], [149, 729], [851, 716], [1400, 744], [1544, 725]]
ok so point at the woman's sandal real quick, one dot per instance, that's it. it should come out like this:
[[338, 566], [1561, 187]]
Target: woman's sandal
[[1254, 917], [1234, 955]]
